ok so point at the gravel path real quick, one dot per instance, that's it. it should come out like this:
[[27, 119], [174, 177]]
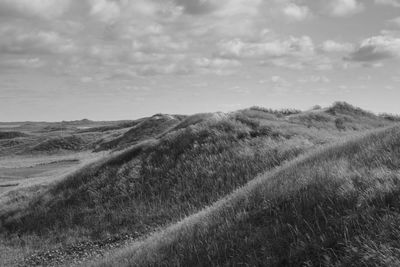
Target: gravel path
[[76, 253]]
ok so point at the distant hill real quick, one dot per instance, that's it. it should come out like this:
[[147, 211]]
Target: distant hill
[[143, 129]]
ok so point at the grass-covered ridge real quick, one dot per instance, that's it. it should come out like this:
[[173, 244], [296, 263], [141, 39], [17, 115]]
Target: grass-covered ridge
[[338, 206], [172, 166], [158, 181]]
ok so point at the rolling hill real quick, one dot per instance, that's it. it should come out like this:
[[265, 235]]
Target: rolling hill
[[173, 166], [337, 206]]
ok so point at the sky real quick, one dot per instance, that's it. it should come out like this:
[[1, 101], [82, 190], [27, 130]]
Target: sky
[[125, 59]]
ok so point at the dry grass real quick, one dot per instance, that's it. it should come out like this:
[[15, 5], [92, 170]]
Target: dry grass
[[335, 207], [162, 180]]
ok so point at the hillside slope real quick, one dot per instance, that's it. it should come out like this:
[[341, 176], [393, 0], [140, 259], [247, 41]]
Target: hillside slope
[[145, 129], [173, 168], [338, 206]]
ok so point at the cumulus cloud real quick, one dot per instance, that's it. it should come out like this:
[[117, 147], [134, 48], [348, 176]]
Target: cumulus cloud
[[340, 8], [157, 69], [105, 10], [238, 48], [223, 8], [228, 18], [394, 22], [333, 46], [296, 12], [291, 52], [278, 80], [14, 40], [197, 6], [376, 48], [395, 3], [160, 43], [26, 62], [42, 8], [315, 79], [216, 63], [240, 7], [152, 37], [219, 66]]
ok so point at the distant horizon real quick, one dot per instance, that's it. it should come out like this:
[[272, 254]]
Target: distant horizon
[[189, 114], [118, 59]]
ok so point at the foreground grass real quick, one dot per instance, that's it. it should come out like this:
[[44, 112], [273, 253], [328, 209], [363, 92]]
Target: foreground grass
[[336, 207]]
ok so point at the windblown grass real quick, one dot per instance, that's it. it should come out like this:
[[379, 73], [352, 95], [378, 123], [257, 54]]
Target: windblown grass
[[335, 207], [156, 182], [179, 169]]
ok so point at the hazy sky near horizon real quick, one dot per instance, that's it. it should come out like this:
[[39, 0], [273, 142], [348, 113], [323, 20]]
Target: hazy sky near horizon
[[124, 59]]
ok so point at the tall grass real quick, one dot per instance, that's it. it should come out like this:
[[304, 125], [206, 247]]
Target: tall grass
[[178, 173], [335, 207], [157, 182]]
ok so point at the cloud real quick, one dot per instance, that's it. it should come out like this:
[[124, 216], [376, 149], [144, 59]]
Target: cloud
[[333, 46], [26, 62], [394, 22], [216, 63], [376, 48], [105, 10], [238, 48], [341, 8], [395, 3], [196, 7], [315, 79], [296, 13], [47, 9], [290, 52], [239, 7], [224, 18], [221, 8], [278, 80], [15, 40], [219, 66], [163, 69], [160, 43]]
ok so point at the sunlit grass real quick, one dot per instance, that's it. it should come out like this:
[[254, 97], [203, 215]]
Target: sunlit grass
[[338, 206]]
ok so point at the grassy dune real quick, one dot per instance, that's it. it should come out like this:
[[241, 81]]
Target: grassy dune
[[156, 182], [338, 206], [179, 166]]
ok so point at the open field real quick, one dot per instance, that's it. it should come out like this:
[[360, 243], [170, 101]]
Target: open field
[[73, 204], [28, 170]]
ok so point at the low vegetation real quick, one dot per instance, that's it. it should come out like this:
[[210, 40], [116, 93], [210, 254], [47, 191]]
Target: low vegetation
[[144, 129], [11, 135], [157, 182], [173, 166], [60, 143], [338, 206]]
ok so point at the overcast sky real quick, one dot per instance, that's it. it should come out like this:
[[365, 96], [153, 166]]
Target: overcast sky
[[124, 59]]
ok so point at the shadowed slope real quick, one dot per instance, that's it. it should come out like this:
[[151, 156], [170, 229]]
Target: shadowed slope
[[11, 135], [145, 129], [336, 207], [158, 181], [169, 176]]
